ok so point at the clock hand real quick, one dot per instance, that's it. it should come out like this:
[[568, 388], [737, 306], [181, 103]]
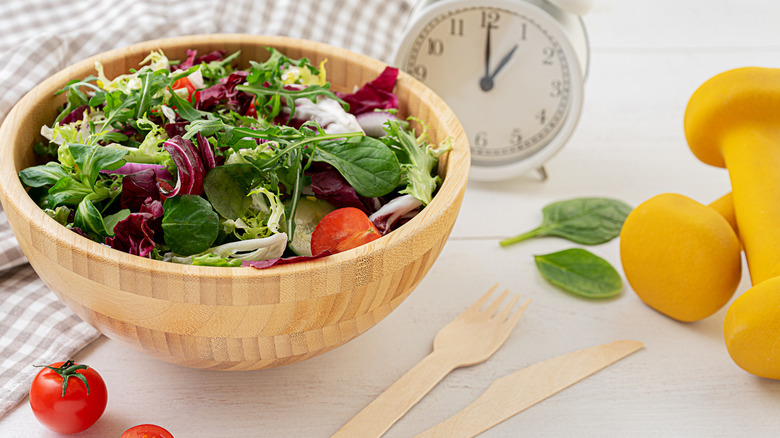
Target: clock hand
[[503, 62], [486, 82]]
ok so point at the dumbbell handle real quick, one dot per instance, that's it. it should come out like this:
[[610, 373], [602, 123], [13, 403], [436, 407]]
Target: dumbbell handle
[[725, 207], [753, 159]]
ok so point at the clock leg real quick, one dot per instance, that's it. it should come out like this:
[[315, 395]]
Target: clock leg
[[542, 173]]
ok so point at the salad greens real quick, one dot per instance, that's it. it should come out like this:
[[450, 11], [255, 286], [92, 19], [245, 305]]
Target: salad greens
[[203, 163]]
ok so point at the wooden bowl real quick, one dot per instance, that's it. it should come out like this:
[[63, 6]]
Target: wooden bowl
[[231, 318]]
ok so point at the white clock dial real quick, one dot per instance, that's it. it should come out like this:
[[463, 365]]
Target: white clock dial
[[511, 77]]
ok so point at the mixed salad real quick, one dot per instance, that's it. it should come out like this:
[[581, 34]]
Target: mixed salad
[[199, 162]]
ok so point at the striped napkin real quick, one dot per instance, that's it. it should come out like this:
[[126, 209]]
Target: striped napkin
[[40, 37]]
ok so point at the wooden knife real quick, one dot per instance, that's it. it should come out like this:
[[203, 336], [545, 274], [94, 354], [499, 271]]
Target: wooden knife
[[522, 389]]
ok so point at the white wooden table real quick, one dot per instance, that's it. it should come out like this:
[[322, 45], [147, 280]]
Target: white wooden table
[[647, 58]]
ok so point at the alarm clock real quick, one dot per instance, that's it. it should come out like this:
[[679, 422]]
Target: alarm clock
[[513, 71]]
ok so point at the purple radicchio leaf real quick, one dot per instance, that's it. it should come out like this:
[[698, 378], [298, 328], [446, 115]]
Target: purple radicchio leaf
[[155, 208], [263, 264], [328, 185], [387, 217], [80, 232], [189, 167], [225, 92], [75, 115], [174, 129], [376, 94], [211, 97], [137, 187], [193, 59], [133, 235], [130, 168], [206, 152]]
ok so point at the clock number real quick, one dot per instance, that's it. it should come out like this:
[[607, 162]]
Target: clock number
[[548, 54], [542, 116], [523, 31], [420, 72], [456, 26], [556, 88], [490, 18], [435, 46], [516, 137], [481, 139]]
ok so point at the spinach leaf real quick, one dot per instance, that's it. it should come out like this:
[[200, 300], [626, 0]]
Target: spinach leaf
[[588, 221], [227, 187], [580, 272], [44, 175], [189, 224], [366, 163]]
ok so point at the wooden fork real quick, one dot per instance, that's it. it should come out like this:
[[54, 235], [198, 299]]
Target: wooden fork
[[469, 339]]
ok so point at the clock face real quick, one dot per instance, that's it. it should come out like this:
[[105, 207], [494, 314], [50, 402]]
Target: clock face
[[503, 72]]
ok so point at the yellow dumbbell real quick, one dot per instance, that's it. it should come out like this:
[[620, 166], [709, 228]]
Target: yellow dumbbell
[[733, 121]]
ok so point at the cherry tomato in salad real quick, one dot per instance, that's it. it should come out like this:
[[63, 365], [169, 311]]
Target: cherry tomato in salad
[[252, 110], [341, 230], [68, 397], [146, 431], [192, 93]]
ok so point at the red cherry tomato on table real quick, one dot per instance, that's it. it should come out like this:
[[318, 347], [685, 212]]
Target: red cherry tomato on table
[[146, 431], [343, 229], [68, 397]]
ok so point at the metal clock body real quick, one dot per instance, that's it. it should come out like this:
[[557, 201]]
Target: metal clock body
[[512, 70]]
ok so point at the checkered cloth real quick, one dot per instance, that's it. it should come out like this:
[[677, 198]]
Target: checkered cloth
[[40, 37]]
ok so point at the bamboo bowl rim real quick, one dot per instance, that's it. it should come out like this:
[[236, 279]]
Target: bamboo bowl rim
[[13, 195]]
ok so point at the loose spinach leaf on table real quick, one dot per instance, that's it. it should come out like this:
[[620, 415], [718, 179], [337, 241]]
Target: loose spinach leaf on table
[[580, 272], [588, 221], [189, 224]]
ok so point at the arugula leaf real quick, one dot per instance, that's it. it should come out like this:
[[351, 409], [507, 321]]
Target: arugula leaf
[[266, 82], [588, 221], [185, 110], [366, 163], [580, 272], [75, 97], [189, 224]]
